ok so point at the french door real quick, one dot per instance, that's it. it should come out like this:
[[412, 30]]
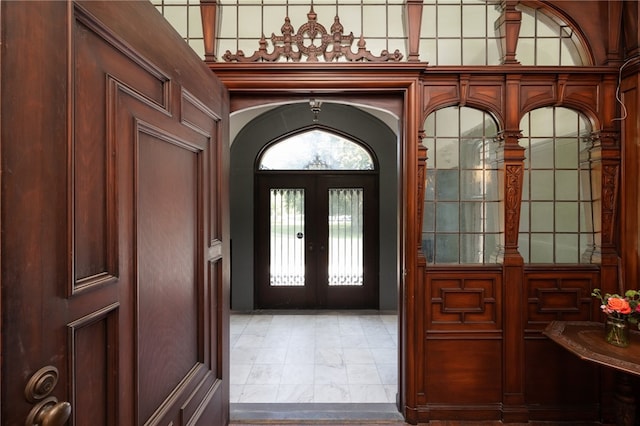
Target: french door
[[316, 241]]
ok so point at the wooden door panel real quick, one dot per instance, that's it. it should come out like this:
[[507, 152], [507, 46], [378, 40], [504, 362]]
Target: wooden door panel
[[132, 290]]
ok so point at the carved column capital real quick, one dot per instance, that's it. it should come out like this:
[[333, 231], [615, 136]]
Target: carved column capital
[[605, 138]]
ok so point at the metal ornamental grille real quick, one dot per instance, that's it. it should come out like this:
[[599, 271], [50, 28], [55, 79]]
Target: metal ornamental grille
[[345, 236], [287, 237]]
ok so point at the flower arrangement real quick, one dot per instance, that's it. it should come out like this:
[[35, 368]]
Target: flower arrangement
[[625, 307], [620, 310]]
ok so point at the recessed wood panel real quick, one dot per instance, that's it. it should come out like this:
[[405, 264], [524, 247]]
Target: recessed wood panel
[[92, 206], [489, 96], [168, 287], [536, 95], [559, 296], [196, 115], [93, 351], [133, 70], [463, 371], [463, 301], [214, 358], [582, 94], [442, 93], [555, 378]]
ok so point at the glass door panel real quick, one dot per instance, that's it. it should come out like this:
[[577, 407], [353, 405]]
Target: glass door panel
[[287, 238], [345, 246]]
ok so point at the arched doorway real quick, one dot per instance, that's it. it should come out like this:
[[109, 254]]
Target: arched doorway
[[316, 223], [284, 120]]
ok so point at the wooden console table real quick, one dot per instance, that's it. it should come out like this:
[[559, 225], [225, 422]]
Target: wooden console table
[[586, 340]]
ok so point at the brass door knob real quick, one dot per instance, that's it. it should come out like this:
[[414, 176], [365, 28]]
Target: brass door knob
[[49, 412]]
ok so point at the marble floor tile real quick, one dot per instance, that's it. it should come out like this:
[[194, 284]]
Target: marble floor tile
[[363, 374], [264, 374], [331, 392], [327, 357], [330, 374], [295, 393], [258, 393]]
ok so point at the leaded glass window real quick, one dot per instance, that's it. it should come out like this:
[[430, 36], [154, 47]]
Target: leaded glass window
[[546, 40], [460, 32], [461, 209], [556, 223]]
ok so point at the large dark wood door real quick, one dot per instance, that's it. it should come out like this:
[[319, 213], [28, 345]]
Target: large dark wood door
[[317, 241], [114, 225]]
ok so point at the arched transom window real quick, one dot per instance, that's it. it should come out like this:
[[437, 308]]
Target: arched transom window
[[316, 150]]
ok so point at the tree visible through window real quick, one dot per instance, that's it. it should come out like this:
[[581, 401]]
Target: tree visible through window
[[316, 150]]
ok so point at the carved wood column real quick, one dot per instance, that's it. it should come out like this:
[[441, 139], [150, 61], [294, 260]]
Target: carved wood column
[[209, 15], [508, 26], [414, 21], [605, 174], [412, 280], [604, 163], [422, 174], [614, 33], [512, 177]]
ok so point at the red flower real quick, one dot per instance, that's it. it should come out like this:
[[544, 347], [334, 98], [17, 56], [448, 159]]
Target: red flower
[[617, 304]]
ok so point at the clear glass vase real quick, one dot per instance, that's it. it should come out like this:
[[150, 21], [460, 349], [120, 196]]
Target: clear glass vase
[[617, 331]]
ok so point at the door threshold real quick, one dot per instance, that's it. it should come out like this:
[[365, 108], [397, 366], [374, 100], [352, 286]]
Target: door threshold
[[315, 413]]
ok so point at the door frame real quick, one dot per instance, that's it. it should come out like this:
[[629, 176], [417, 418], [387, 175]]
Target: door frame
[[396, 89]]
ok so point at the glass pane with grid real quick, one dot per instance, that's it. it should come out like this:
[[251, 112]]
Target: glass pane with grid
[[185, 17], [547, 40], [460, 32], [556, 224], [461, 210], [380, 22]]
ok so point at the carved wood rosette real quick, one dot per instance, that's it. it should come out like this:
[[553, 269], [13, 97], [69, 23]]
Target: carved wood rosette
[[295, 45]]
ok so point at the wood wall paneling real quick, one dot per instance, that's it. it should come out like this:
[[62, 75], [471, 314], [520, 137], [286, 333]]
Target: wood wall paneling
[[471, 342]]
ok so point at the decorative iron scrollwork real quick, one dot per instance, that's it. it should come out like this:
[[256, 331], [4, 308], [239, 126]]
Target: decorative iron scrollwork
[[294, 45]]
